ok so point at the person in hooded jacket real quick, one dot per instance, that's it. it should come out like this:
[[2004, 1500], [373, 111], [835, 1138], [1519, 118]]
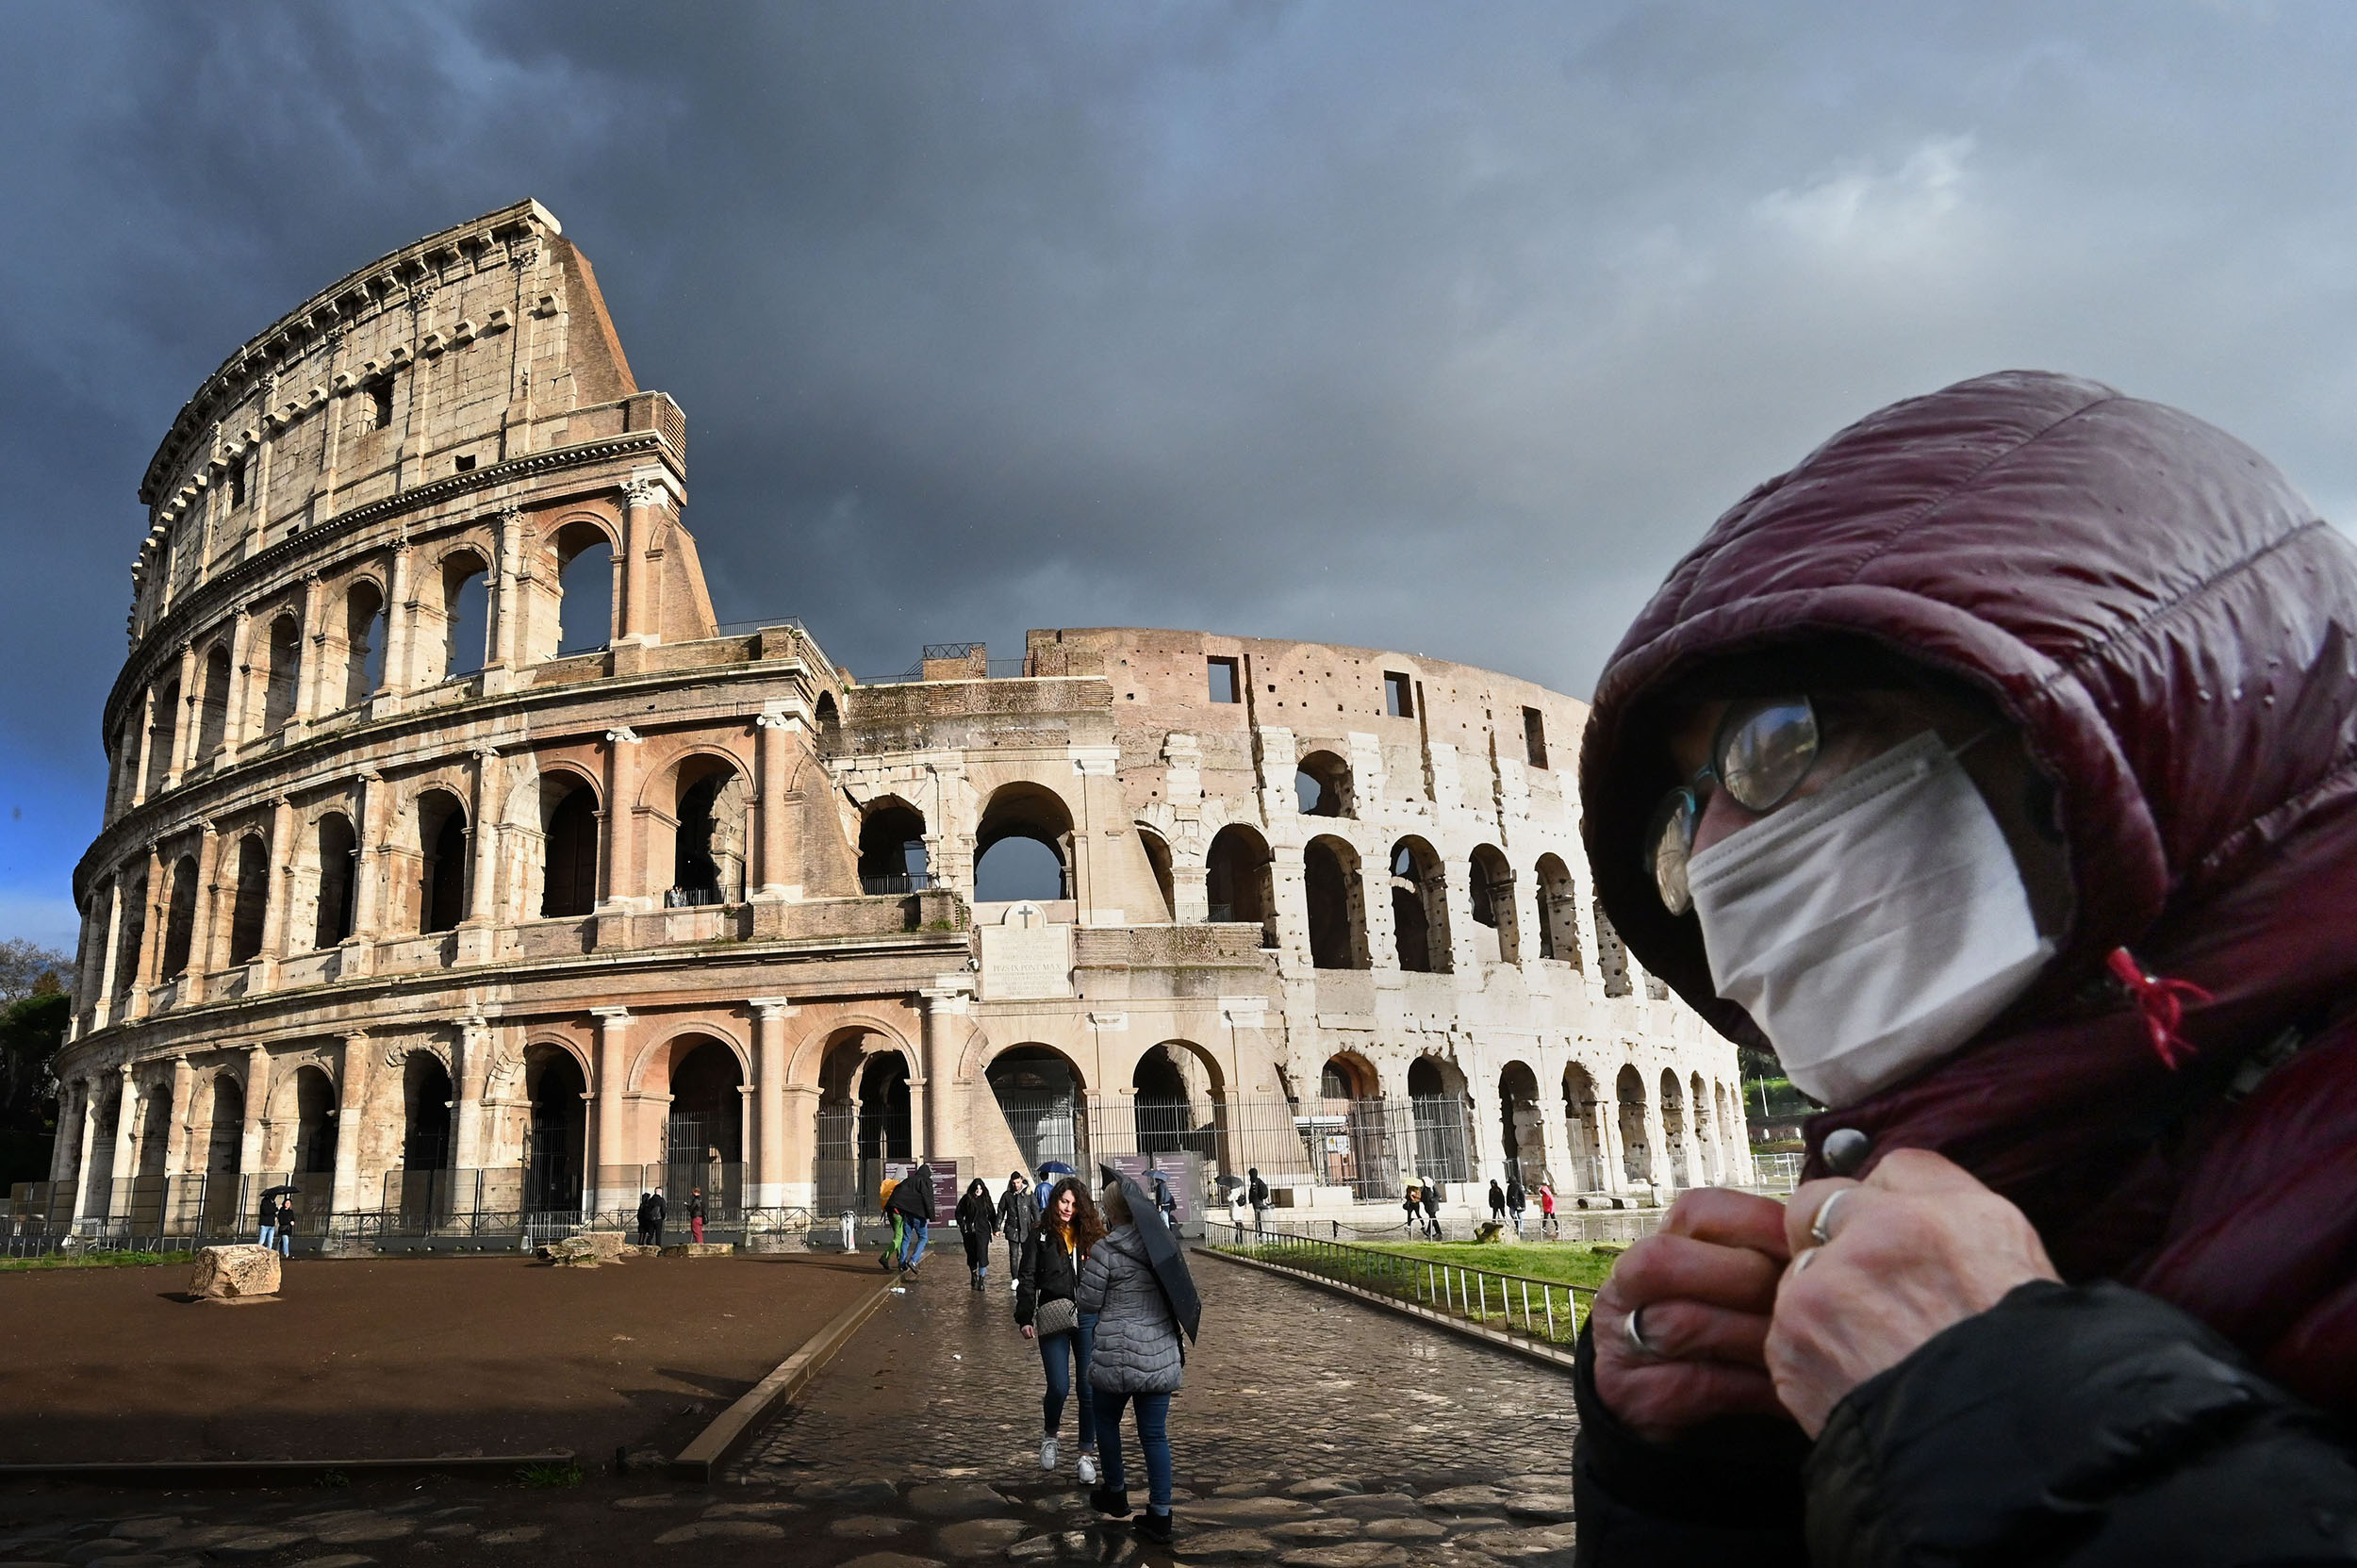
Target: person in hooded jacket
[[978, 1221], [1497, 1201], [1996, 768], [1018, 1216], [1138, 1361], [1432, 1211], [911, 1206], [1516, 1199]]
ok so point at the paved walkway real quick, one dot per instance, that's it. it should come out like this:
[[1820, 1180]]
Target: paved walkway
[[1313, 1433]]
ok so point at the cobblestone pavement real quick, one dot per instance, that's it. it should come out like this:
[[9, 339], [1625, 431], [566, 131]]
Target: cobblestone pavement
[[1313, 1433]]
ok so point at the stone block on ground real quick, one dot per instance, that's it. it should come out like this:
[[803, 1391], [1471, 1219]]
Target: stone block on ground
[[1222, 1546], [239, 1273], [701, 1249], [584, 1250]]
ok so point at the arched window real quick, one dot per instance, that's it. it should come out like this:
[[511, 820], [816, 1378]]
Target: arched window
[[1520, 1139], [160, 737], [286, 661], [560, 1118], [1043, 1098], [1582, 1122], [180, 918], [1612, 956], [213, 727], [703, 1136], [466, 614], [134, 896], [1322, 785], [338, 848], [315, 1122], [364, 642], [1636, 1153], [1237, 878], [1673, 1127], [830, 724], [1436, 1100], [892, 854], [708, 851], [1559, 913], [1023, 849], [568, 881], [1338, 921], [1420, 908], [442, 869], [252, 903], [585, 578], [1492, 885]]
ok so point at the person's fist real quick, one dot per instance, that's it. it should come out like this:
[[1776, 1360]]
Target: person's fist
[[1918, 1246], [1703, 1286]]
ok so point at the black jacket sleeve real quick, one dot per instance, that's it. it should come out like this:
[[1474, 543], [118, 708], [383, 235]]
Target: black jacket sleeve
[[2080, 1425], [1727, 1492]]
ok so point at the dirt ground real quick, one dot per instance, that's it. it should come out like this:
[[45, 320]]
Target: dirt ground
[[387, 1358]]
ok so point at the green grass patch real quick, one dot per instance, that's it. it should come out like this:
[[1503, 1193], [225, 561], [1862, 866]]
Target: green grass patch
[[97, 1260], [1571, 1263], [550, 1476]]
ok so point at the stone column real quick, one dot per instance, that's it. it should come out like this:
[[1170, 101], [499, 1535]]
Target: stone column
[[401, 617], [920, 1114], [200, 929], [769, 1169], [152, 931], [135, 794], [351, 1113], [944, 1006], [281, 899], [184, 719], [310, 655], [64, 1154], [621, 836], [483, 872], [103, 993], [368, 865], [241, 675], [613, 1135], [507, 606], [86, 1155], [1656, 1139], [177, 1140], [475, 1041], [127, 1128], [644, 497], [770, 733], [250, 1139]]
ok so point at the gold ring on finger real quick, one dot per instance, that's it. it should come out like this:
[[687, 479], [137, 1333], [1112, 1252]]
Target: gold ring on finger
[[1820, 1229]]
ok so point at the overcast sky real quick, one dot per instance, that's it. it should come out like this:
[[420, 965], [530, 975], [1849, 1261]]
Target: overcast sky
[[1432, 327]]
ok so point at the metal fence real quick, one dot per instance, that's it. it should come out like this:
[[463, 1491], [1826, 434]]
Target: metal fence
[[1546, 1311]]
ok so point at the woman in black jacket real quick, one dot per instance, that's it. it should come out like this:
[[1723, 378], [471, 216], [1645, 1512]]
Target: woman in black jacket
[[1050, 1272], [978, 1221]]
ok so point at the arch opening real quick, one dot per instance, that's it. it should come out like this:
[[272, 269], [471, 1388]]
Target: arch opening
[[1322, 785], [1491, 883], [180, 918], [863, 1119], [286, 664], [225, 1152], [584, 587], [442, 863], [1338, 916], [1612, 955], [1441, 1110], [212, 726], [1040, 1094], [364, 642], [1521, 1133], [1420, 908], [338, 851], [1023, 849], [1157, 861], [569, 871], [892, 854], [708, 848], [1239, 883], [1559, 913], [250, 907], [556, 1137], [1178, 1103], [703, 1136], [162, 734], [1674, 1128], [1636, 1164], [1583, 1126], [315, 1123], [465, 615]]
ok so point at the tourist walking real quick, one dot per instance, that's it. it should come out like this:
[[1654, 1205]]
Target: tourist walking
[[695, 1215], [1413, 1206], [978, 1221], [646, 1219], [1516, 1200], [1138, 1361], [1257, 1191], [1547, 1225], [1497, 1202], [286, 1225], [266, 1217], [1018, 1216], [912, 1202], [1047, 1282], [657, 1212], [1166, 1201], [1432, 1211]]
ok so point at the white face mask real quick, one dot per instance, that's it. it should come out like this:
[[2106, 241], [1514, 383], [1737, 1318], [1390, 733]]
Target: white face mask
[[1872, 928]]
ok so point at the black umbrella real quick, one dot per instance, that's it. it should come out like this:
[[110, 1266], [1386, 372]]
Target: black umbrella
[[1162, 1252], [273, 1192]]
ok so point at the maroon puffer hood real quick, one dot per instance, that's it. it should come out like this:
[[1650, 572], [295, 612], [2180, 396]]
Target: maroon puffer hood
[[2174, 630]]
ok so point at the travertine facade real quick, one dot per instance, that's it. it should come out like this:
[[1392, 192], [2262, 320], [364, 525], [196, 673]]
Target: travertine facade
[[390, 884]]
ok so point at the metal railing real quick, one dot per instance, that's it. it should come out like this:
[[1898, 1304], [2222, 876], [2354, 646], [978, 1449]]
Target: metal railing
[[895, 882], [1544, 1312]]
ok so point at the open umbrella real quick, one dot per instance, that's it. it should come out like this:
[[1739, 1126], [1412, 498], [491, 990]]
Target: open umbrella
[[1054, 1168], [1162, 1255], [273, 1192]]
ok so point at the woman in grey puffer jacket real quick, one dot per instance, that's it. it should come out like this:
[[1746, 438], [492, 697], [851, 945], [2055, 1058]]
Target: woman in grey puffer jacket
[[1137, 1358]]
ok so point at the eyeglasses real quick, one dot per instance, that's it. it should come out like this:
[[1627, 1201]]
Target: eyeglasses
[[1762, 752]]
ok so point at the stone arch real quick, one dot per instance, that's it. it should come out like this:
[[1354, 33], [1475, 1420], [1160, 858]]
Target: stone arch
[[585, 554], [892, 853], [1180, 1100], [437, 818], [1420, 907], [703, 796], [570, 824], [162, 734], [1440, 1100], [212, 720], [1612, 955], [706, 1071], [1333, 888], [1558, 909], [220, 1155], [807, 1061], [1522, 1136], [1018, 813], [282, 666], [826, 718], [1583, 1122], [362, 640], [250, 901], [1158, 861], [662, 1053], [1491, 883], [336, 847], [1044, 1097], [1322, 785], [1675, 1128], [1705, 1126], [304, 1128], [155, 1132], [556, 1122], [1238, 878], [1637, 1153], [180, 919], [1348, 1076]]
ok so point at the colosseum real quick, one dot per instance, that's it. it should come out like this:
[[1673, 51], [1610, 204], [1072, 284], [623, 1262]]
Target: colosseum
[[460, 873]]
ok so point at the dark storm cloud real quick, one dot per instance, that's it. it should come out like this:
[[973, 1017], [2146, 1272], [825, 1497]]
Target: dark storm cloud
[[1441, 329]]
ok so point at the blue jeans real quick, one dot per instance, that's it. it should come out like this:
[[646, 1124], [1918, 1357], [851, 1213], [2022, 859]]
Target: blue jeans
[[268, 1232], [285, 1240], [1059, 1353], [1153, 1437], [912, 1243]]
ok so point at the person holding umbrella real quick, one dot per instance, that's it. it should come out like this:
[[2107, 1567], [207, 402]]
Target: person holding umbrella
[[286, 1222], [1136, 1285], [266, 1214]]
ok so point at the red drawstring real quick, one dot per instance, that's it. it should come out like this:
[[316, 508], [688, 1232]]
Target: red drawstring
[[2162, 1003]]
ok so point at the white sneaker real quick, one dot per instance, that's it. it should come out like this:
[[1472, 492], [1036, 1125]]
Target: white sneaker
[[1088, 1468], [1048, 1453]]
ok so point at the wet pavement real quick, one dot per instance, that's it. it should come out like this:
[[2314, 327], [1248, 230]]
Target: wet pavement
[[1314, 1432]]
